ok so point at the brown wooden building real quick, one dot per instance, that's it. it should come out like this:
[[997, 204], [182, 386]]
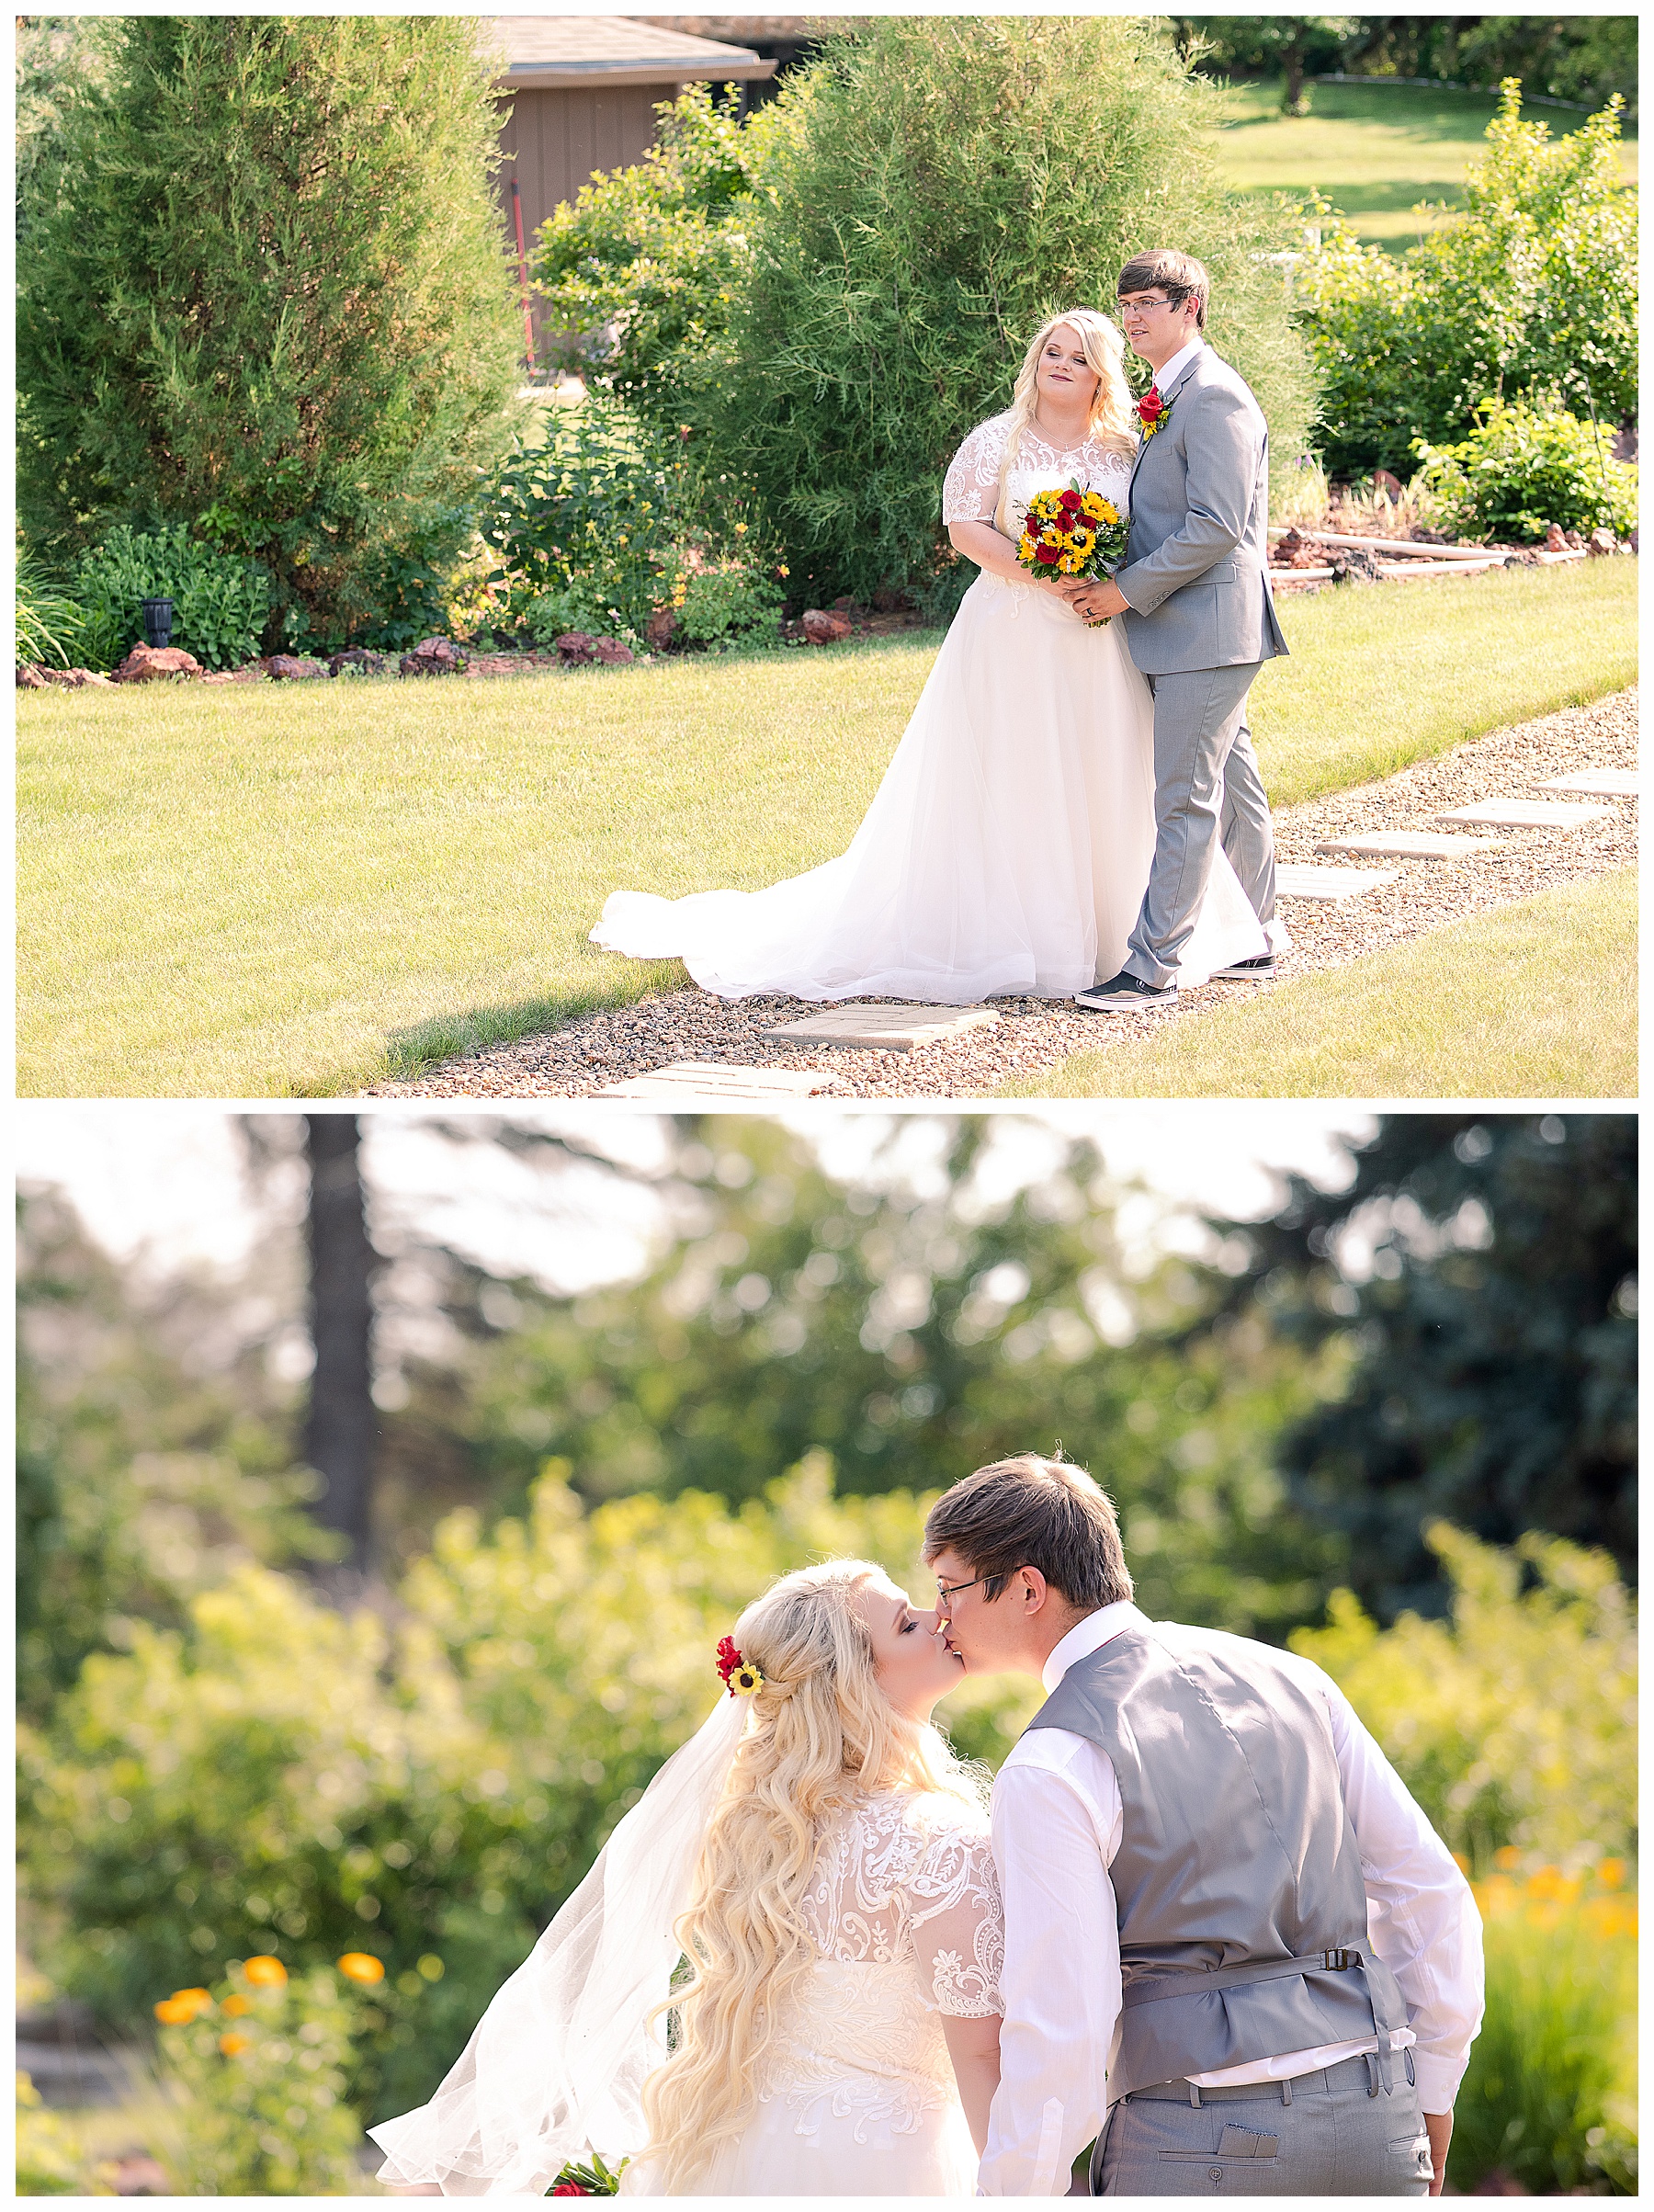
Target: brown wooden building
[[582, 91]]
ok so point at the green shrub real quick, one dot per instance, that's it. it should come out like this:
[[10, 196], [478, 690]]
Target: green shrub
[[1522, 468], [726, 601], [551, 614], [270, 289], [645, 266], [1533, 286], [933, 187], [259, 2072], [1549, 2101], [1513, 1723], [48, 622], [50, 2160], [281, 1779], [221, 603], [588, 518]]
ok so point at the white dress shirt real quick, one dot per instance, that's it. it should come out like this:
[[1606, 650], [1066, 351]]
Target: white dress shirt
[[1057, 1826], [1165, 378]]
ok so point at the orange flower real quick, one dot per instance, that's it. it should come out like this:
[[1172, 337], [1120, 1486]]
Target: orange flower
[[361, 1966], [265, 1973], [238, 2004], [232, 2045], [1611, 1873], [192, 1996], [175, 2012]]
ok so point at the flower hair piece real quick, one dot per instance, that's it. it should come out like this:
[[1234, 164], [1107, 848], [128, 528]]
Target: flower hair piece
[[739, 1677]]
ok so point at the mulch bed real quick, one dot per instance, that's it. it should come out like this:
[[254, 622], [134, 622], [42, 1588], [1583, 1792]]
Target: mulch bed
[[1033, 1035]]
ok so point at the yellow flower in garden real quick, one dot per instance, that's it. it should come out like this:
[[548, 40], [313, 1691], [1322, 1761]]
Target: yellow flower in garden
[[361, 1966], [174, 2012], [1507, 1858], [1612, 1873], [265, 1973], [232, 2045], [238, 2004], [192, 1996]]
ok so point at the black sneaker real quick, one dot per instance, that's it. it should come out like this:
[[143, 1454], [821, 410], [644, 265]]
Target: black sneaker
[[1260, 969], [1125, 993]]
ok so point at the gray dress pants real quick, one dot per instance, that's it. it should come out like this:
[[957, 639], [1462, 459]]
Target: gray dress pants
[[1341, 2135], [1207, 791]]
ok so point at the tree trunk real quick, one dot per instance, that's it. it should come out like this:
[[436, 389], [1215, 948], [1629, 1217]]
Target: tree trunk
[[339, 1429], [1295, 103]]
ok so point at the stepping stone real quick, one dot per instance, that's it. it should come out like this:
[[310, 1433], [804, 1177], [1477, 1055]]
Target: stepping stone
[[1412, 844], [686, 1079], [883, 1028], [1600, 783], [1296, 881], [1523, 814]]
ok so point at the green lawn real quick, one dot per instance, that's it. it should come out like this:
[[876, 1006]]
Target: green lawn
[[1375, 149], [1533, 1001], [297, 889]]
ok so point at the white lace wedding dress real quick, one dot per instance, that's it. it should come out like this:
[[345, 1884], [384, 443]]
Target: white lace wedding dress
[[1007, 850], [856, 2096]]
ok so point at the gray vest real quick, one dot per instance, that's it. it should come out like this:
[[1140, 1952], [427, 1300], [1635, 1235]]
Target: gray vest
[[1238, 1869]]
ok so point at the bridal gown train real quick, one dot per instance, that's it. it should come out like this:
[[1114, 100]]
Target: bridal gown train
[[855, 2095], [1008, 847]]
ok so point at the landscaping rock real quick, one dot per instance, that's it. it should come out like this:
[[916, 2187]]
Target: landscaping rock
[[145, 662], [433, 656], [1601, 542], [288, 668], [29, 677], [1390, 485], [612, 652], [1294, 551], [575, 648], [508, 663], [253, 673], [1354, 564], [823, 629], [1556, 538], [76, 679], [357, 657], [887, 600], [661, 628]]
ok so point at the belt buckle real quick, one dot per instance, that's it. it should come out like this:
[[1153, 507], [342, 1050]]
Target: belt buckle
[[1340, 1962]]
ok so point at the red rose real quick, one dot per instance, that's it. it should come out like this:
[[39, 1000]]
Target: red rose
[[1071, 500], [1049, 555], [1149, 407]]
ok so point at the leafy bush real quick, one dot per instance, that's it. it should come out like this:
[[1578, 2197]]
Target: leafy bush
[[281, 1779], [934, 185], [221, 603], [727, 601], [1522, 468], [588, 518], [270, 287], [646, 265], [1549, 2101], [1514, 1723], [1533, 286], [48, 622], [259, 2070]]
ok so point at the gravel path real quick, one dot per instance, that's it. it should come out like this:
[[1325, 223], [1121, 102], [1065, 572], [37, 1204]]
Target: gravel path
[[581, 1058]]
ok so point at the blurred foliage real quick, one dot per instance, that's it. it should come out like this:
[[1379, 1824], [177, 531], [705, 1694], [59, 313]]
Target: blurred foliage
[[1480, 1273], [1532, 288], [1522, 469], [1548, 2106], [1514, 1722], [1580, 57], [144, 1474], [912, 1337], [49, 2158], [259, 2072]]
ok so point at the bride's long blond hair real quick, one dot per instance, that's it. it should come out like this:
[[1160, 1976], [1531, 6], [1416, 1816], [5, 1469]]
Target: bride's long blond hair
[[821, 1736], [1110, 423]]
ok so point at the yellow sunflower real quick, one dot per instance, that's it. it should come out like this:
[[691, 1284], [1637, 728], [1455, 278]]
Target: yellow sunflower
[[746, 1680]]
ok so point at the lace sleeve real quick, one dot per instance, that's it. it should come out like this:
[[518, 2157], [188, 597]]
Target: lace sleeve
[[972, 481], [958, 1923]]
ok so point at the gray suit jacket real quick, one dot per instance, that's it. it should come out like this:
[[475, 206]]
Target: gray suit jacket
[[1197, 568]]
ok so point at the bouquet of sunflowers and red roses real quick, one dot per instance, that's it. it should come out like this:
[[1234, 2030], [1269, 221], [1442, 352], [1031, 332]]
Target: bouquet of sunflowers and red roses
[[1072, 533]]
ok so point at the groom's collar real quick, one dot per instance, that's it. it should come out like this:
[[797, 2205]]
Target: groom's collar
[[1183, 358], [1088, 1636]]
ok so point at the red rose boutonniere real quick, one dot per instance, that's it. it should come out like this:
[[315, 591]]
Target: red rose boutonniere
[[1153, 410]]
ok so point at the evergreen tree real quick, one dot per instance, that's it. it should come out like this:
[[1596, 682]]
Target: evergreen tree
[[1478, 1276], [269, 298], [935, 186]]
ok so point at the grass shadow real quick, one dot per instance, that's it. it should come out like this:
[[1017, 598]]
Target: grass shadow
[[415, 1050]]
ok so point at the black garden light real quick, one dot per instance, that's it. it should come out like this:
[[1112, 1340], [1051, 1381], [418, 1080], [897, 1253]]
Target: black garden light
[[157, 622]]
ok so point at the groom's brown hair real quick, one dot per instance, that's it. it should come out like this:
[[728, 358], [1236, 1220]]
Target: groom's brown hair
[[1029, 1512], [1179, 276]]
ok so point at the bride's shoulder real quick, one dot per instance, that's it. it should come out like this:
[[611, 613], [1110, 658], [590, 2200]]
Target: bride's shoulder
[[936, 1815], [989, 436]]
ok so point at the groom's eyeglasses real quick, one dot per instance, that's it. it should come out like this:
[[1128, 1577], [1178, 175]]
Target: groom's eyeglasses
[[943, 1594], [1136, 301]]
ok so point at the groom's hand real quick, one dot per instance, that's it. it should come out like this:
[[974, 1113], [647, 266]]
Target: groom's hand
[[1438, 2125], [1100, 599]]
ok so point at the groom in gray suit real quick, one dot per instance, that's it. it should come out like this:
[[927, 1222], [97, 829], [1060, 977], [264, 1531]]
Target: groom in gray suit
[[1200, 622]]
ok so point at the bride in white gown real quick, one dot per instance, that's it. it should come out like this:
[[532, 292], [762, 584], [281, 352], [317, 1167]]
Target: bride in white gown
[[822, 1862], [1007, 850]]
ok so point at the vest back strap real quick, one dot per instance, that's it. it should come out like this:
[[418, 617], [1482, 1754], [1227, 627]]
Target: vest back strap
[[1193, 1981]]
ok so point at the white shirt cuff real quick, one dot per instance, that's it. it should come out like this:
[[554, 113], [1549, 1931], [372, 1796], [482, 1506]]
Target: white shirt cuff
[[1437, 2080]]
